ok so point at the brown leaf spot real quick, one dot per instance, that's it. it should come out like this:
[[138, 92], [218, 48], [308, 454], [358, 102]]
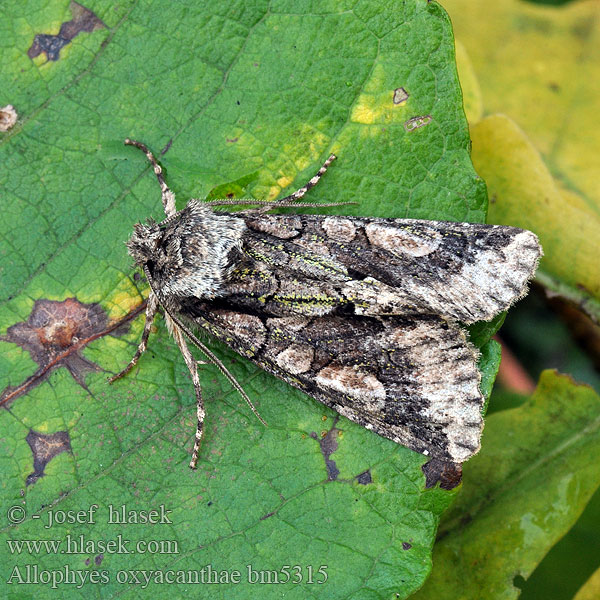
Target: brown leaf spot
[[448, 474], [364, 478], [329, 445], [55, 334], [400, 96], [83, 20], [8, 117], [44, 448], [555, 87], [417, 122], [268, 515]]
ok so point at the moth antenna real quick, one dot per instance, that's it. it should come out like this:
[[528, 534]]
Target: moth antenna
[[271, 204], [167, 195], [311, 183], [287, 201], [292, 198]]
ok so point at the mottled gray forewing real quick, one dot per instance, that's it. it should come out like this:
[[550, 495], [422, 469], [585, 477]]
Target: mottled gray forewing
[[412, 380], [318, 265]]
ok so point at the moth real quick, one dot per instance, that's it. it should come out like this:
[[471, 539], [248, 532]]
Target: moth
[[362, 314]]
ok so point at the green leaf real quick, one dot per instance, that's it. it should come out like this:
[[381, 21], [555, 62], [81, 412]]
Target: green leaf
[[530, 482], [247, 98]]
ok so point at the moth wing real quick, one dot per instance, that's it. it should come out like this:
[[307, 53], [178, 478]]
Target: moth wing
[[464, 271], [412, 380]]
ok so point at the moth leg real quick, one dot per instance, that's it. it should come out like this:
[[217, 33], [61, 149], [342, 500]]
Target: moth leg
[[298, 194], [192, 365], [151, 309], [167, 195]]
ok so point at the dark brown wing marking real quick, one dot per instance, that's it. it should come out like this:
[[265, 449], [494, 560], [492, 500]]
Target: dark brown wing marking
[[412, 380], [316, 265]]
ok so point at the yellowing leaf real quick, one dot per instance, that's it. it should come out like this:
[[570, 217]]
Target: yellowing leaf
[[472, 100], [523, 192], [590, 589], [540, 65]]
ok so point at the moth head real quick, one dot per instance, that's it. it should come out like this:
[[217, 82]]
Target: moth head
[[145, 242]]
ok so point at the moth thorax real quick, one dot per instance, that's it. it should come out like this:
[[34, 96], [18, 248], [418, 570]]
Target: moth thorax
[[199, 247]]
